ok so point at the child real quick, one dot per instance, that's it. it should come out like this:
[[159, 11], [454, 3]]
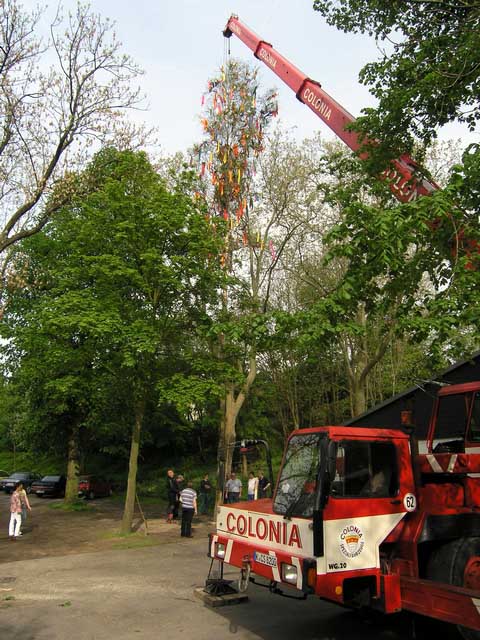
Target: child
[[15, 513]]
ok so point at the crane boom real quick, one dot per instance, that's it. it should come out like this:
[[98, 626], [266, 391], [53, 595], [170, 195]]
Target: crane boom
[[403, 176]]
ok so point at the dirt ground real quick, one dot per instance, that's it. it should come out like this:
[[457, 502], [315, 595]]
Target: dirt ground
[[54, 532]]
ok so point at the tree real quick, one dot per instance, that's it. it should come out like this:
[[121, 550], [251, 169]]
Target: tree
[[49, 118], [235, 122], [429, 77], [428, 74], [112, 294], [354, 292]]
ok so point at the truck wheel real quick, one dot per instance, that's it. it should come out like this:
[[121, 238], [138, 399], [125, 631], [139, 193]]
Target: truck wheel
[[458, 563]]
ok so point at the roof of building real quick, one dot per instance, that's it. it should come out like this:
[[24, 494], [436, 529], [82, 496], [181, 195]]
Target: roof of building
[[418, 398]]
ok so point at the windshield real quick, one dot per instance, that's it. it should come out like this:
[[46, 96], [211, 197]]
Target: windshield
[[19, 476], [298, 477], [50, 478]]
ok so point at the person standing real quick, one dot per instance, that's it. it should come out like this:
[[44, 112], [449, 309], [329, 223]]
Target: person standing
[[172, 496], [233, 489], [25, 505], [188, 498], [15, 513], [252, 491], [204, 495], [263, 485]]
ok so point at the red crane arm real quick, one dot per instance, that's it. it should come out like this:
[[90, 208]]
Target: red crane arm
[[403, 178]]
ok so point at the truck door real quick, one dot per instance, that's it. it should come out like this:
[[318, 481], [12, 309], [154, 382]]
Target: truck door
[[370, 494]]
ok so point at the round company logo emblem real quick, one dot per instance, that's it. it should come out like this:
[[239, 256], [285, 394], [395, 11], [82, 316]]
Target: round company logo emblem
[[351, 541]]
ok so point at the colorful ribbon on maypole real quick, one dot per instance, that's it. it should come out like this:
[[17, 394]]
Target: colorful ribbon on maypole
[[234, 121]]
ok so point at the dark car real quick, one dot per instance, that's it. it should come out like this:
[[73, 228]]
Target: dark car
[[93, 487], [26, 478], [51, 486]]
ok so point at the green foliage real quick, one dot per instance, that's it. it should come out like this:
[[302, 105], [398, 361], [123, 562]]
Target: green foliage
[[429, 77], [110, 301], [29, 460], [406, 263]]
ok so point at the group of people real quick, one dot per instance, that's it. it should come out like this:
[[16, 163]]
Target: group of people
[[19, 505], [183, 494], [257, 487]]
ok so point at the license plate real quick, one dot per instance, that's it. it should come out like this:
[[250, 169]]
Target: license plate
[[265, 558], [39, 491]]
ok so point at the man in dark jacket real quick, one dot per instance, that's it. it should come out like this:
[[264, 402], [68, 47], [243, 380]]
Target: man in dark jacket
[[172, 496], [263, 485], [204, 494]]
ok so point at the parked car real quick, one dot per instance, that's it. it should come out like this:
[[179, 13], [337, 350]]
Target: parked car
[[25, 477], [51, 486], [91, 487]]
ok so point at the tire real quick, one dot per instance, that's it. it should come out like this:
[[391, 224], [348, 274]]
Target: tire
[[91, 495], [458, 563], [28, 490]]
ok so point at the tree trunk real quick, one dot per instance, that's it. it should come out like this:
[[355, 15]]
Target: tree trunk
[[230, 408], [230, 423], [129, 507], [359, 404], [226, 440], [244, 466], [221, 477], [73, 465]]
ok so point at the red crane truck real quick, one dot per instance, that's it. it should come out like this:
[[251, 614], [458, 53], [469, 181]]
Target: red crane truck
[[358, 515], [360, 518]]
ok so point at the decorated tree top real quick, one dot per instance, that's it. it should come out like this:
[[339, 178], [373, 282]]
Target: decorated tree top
[[234, 119]]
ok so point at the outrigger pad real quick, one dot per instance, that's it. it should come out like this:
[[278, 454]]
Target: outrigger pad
[[219, 587], [222, 600]]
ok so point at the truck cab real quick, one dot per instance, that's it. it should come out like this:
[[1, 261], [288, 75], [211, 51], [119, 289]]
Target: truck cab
[[341, 492]]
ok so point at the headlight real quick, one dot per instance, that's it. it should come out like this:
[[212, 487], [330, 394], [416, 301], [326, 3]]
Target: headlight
[[220, 550], [289, 573]]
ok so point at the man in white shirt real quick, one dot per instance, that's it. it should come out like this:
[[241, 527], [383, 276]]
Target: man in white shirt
[[233, 488]]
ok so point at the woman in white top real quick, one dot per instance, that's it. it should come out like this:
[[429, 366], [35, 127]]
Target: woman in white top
[[252, 487]]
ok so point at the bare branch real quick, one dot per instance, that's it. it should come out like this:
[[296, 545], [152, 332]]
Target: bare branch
[[45, 115]]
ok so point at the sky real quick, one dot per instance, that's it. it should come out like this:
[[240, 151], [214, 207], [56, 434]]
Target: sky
[[179, 44]]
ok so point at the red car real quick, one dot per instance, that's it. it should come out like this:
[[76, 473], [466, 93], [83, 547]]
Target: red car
[[91, 487]]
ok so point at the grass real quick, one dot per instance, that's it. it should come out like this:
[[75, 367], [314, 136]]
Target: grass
[[78, 505], [134, 540], [136, 543]]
